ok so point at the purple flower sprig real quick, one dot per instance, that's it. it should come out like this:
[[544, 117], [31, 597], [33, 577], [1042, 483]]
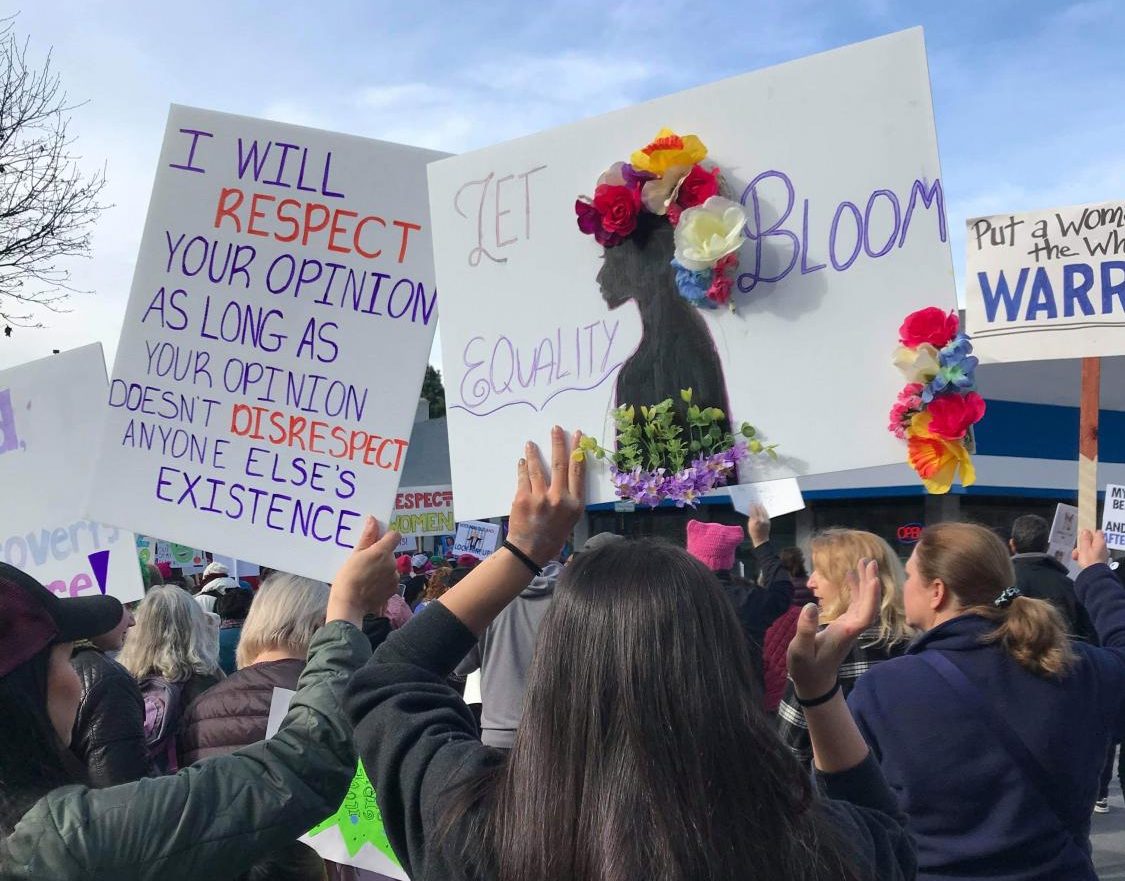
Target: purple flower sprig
[[685, 487]]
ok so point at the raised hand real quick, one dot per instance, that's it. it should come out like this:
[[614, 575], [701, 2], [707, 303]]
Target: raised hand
[[545, 509], [1091, 548], [367, 578], [758, 526], [815, 657]]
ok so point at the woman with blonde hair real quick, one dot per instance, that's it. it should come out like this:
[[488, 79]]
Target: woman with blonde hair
[[992, 728], [835, 554], [173, 653], [437, 583]]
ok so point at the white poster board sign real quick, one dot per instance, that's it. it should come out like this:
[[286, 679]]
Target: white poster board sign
[[776, 496], [476, 538], [1113, 517], [283, 274], [834, 158], [1047, 284], [1064, 536], [424, 510], [359, 811], [49, 410]]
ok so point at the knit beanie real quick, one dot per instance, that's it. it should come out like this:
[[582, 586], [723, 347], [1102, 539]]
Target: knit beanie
[[402, 564], [713, 544]]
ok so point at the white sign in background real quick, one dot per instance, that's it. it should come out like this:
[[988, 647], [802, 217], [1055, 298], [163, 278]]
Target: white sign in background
[[776, 496], [49, 411], [1047, 284], [835, 159], [1113, 517], [476, 538], [284, 275]]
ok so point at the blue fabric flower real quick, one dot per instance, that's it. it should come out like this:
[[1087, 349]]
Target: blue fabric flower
[[956, 369], [693, 286]]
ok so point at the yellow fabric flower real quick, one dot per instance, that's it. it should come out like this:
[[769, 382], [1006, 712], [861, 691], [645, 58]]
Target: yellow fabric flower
[[937, 459], [709, 232], [667, 150], [919, 364]]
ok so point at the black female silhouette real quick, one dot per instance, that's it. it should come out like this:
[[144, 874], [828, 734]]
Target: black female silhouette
[[676, 350]]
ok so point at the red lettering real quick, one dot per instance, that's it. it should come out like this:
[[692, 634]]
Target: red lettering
[[406, 227], [337, 228], [224, 210], [370, 255], [310, 227], [255, 214], [285, 218]]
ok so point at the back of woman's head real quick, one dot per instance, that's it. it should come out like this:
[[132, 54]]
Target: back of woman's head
[[974, 565], [835, 555], [437, 583], [295, 862], [642, 752], [234, 605], [172, 638], [793, 559], [285, 614], [31, 755]]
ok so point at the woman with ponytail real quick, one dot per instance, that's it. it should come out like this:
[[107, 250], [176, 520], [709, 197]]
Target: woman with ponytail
[[992, 727]]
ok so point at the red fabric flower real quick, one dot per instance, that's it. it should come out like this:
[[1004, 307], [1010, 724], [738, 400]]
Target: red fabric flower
[[719, 292], [952, 414], [698, 186], [931, 325], [618, 207], [590, 222]]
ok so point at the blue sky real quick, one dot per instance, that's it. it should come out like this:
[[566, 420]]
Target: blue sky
[[1026, 94]]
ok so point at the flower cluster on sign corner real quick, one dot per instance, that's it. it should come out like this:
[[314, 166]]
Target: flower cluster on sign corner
[[659, 459], [937, 408], [667, 178]]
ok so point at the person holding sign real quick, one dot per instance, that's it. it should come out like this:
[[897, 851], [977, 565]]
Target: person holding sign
[[208, 821], [642, 751], [993, 727]]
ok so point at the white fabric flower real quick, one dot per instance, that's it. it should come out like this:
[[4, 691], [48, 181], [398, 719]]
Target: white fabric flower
[[917, 365], [708, 233], [659, 193]]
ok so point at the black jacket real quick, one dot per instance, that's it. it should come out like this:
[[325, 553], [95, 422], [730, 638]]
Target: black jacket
[[418, 741], [109, 731], [1042, 577], [758, 607]]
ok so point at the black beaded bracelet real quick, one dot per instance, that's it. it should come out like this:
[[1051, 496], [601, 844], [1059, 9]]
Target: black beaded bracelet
[[523, 558], [823, 699]]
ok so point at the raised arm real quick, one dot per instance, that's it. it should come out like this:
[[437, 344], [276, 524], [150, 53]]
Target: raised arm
[[1100, 591], [214, 819]]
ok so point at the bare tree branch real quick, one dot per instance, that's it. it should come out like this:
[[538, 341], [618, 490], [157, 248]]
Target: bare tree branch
[[47, 205]]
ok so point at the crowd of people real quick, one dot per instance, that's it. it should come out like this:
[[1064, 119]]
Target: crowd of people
[[645, 711]]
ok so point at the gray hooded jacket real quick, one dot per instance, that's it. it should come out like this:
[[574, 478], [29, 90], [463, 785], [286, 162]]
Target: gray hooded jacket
[[503, 655]]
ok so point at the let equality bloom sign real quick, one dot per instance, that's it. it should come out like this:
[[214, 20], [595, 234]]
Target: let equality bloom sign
[[48, 409], [281, 314]]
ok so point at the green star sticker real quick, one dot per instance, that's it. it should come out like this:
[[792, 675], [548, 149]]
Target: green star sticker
[[358, 818]]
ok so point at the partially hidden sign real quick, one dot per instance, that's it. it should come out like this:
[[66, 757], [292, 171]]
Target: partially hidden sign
[[1113, 517], [354, 834], [1047, 284], [49, 409], [834, 161], [424, 510], [475, 538], [284, 275]]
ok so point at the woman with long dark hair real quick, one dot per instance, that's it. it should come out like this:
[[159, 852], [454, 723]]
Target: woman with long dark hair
[[211, 821], [642, 752], [993, 726]]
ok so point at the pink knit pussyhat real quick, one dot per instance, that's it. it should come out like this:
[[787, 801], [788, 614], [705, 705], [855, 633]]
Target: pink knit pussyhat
[[713, 544]]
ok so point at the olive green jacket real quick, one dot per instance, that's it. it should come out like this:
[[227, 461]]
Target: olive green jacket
[[213, 820]]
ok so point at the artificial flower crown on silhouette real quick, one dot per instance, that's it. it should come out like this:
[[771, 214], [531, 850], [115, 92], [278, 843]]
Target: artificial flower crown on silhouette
[[937, 407], [666, 178]]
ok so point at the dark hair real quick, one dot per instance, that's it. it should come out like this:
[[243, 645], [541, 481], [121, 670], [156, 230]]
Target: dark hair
[[458, 575], [294, 862], [32, 761], [234, 605], [793, 559], [642, 752], [1030, 534]]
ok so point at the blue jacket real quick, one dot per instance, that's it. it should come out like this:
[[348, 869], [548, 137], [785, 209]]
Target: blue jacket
[[973, 812]]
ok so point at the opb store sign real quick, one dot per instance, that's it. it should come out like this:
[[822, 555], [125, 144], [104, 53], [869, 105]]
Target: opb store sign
[[909, 533]]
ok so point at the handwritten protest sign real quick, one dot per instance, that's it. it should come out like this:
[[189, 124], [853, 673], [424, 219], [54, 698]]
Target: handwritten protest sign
[[424, 510], [477, 539], [284, 277], [354, 835], [845, 236], [48, 411], [1113, 517], [1047, 284], [776, 496]]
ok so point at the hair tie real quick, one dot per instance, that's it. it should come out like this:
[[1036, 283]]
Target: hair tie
[[1005, 598]]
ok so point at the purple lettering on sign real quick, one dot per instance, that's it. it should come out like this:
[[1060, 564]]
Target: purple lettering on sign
[[189, 165]]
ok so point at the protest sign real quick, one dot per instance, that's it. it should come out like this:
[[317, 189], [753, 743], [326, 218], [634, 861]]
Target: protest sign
[[406, 545], [354, 835], [49, 409], [845, 236], [284, 275], [1047, 284], [424, 510], [475, 538], [188, 559], [776, 496], [1113, 517], [1064, 536]]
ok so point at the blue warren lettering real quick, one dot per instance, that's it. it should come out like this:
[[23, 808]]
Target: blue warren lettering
[[1042, 296]]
